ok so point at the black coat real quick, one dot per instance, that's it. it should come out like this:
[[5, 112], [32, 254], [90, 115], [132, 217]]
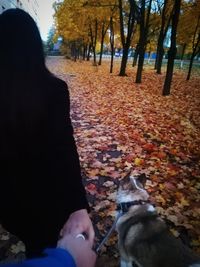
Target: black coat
[[39, 168]]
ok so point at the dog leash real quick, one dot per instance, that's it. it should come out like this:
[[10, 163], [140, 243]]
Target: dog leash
[[98, 248], [121, 208]]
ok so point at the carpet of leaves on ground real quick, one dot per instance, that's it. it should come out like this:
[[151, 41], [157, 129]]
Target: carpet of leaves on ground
[[121, 126]]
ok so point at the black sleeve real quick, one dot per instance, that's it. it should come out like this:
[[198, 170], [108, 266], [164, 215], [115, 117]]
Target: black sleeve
[[64, 165]]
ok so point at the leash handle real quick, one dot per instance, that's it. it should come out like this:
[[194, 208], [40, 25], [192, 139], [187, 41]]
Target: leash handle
[[98, 248]]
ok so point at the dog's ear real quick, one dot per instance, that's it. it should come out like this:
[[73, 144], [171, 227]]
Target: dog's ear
[[142, 179]]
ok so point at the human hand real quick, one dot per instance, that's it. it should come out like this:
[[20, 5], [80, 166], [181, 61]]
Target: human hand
[[79, 249], [79, 223]]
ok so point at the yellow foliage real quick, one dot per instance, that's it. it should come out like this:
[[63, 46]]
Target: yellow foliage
[[76, 19], [188, 24]]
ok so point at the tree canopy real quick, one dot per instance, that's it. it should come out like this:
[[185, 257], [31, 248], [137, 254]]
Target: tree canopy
[[144, 25]]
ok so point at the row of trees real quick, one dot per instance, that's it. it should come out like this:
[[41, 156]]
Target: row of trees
[[143, 24]]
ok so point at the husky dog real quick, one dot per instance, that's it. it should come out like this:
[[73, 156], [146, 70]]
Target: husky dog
[[144, 240]]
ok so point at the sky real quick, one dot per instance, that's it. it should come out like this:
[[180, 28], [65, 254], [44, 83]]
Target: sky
[[45, 17]]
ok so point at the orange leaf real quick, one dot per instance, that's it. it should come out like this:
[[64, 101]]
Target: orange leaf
[[161, 155], [149, 147]]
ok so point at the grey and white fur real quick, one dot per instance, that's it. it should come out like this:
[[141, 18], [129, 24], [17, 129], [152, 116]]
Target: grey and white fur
[[143, 237]]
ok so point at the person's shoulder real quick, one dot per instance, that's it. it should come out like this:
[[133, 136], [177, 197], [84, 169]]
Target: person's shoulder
[[56, 87], [57, 83]]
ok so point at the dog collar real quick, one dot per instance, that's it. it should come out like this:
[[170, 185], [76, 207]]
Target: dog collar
[[124, 206]]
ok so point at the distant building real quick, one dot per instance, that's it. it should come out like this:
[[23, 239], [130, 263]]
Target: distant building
[[30, 6]]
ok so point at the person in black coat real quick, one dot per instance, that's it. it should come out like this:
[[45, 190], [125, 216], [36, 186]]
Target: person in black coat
[[40, 177]]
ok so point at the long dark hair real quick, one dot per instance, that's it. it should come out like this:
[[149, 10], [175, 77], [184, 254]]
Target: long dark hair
[[23, 75], [21, 48]]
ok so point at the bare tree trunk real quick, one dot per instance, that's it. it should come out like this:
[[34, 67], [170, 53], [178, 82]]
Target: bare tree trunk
[[74, 51], [103, 34], [144, 27], [112, 39], [102, 41], [78, 51], [84, 51], [172, 50], [156, 60], [161, 38], [126, 41], [190, 67], [135, 56], [195, 46], [160, 57], [88, 52], [95, 42], [160, 46], [140, 66], [124, 60]]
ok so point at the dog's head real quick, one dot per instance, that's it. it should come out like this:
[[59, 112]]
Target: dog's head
[[133, 225], [132, 189]]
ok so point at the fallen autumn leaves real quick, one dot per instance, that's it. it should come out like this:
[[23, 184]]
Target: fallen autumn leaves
[[122, 126]]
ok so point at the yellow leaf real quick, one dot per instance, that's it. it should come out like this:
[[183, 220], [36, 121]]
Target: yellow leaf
[[161, 186], [184, 202], [174, 232], [160, 199], [138, 161]]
